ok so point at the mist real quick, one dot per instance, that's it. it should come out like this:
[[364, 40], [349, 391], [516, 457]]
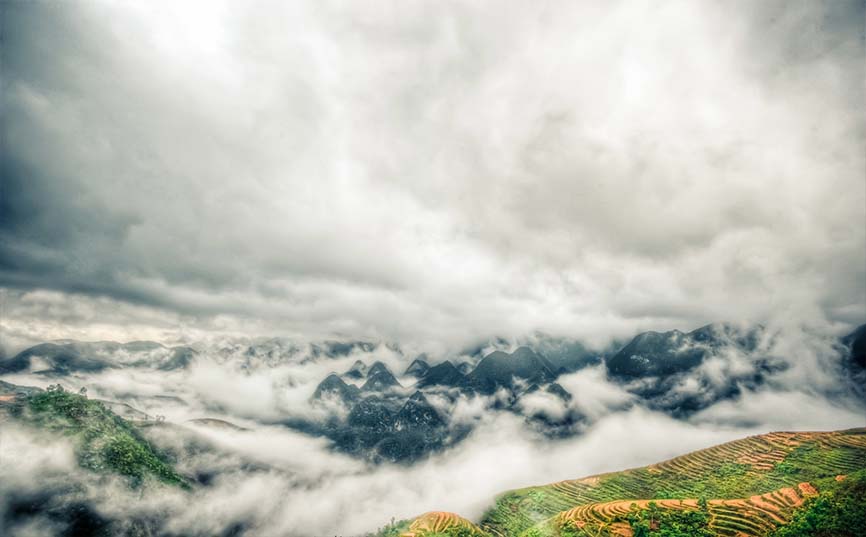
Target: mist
[[274, 480]]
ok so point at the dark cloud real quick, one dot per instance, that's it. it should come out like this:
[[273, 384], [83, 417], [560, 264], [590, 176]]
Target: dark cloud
[[431, 172]]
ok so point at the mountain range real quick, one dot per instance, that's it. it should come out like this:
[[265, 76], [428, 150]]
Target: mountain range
[[662, 370], [403, 418]]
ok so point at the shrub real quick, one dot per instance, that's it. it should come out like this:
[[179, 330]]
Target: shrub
[[838, 511]]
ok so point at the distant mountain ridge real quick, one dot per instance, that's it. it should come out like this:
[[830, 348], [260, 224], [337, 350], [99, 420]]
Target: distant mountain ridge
[[656, 354], [65, 357], [665, 371]]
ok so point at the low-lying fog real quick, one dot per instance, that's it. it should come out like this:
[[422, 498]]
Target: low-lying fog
[[285, 482]]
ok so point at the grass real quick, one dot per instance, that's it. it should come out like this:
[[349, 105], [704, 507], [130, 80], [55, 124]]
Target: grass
[[738, 469], [104, 442], [747, 487], [838, 511]]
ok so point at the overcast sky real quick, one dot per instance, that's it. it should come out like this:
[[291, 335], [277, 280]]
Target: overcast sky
[[433, 172]]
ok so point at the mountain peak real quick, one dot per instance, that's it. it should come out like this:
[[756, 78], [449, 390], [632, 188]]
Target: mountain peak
[[357, 371], [333, 385], [652, 354], [418, 413], [499, 369], [443, 374], [379, 378], [418, 368]]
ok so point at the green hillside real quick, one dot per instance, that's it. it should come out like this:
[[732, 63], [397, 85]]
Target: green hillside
[[748, 487], [104, 442]]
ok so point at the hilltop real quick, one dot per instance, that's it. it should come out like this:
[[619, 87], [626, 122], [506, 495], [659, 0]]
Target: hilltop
[[104, 442], [750, 487]]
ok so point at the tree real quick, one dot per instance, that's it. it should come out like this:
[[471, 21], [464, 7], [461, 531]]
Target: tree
[[839, 511]]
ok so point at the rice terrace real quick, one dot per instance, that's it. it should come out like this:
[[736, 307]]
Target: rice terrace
[[751, 487]]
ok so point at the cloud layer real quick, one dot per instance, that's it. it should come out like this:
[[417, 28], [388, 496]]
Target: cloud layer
[[428, 171], [273, 480]]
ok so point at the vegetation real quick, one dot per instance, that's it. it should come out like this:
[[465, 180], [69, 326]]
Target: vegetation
[[739, 469], [838, 511], [434, 524], [758, 486], [104, 441], [669, 523], [458, 531], [393, 529]]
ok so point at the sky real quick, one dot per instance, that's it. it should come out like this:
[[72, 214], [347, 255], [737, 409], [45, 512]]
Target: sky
[[435, 173]]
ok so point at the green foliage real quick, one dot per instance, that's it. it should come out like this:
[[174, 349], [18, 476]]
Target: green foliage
[[838, 511], [570, 529], [104, 441], [656, 522], [706, 474], [393, 529], [718, 473], [456, 531], [727, 480]]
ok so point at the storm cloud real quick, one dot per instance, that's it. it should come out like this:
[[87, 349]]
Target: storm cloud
[[429, 172]]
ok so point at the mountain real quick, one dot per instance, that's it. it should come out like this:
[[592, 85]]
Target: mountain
[[418, 414], [667, 370], [745, 488], [334, 386], [554, 388], [854, 359], [565, 355], [105, 442], [11, 391], [443, 374], [438, 523], [51, 357], [180, 358], [500, 370], [65, 357], [336, 349], [417, 430], [380, 432], [380, 378], [654, 354], [855, 342], [357, 371], [418, 368], [373, 414]]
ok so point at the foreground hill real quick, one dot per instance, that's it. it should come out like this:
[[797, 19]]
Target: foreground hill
[[748, 487], [104, 442]]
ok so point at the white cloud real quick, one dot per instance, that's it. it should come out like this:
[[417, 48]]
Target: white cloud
[[435, 173]]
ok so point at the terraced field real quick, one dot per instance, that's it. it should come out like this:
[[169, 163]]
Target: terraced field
[[438, 522], [744, 488], [746, 517], [745, 479]]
